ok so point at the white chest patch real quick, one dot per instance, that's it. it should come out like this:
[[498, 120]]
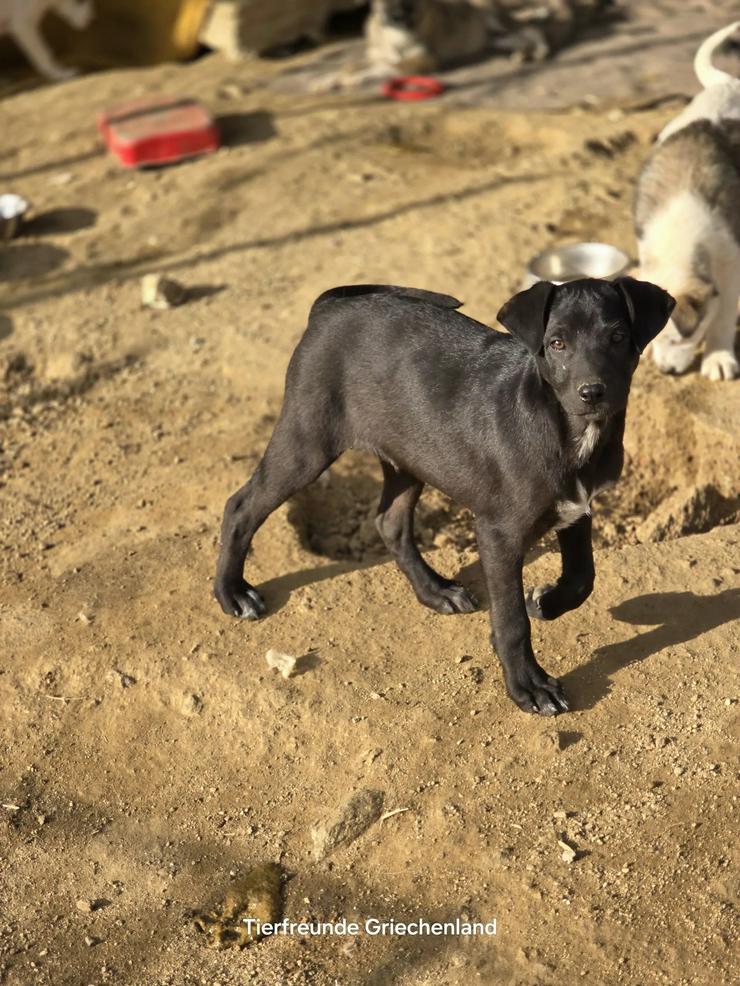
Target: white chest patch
[[569, 511], [587, 442]]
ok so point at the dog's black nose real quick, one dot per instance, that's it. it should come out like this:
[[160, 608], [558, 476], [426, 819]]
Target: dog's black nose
[[591, 393]]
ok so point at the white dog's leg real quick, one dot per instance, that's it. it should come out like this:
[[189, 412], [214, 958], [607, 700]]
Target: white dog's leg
[[34, 47], [77, 15], [719, 361]]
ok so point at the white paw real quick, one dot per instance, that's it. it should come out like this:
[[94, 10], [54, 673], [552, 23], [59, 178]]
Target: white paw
[[720, 365], [60, 73]]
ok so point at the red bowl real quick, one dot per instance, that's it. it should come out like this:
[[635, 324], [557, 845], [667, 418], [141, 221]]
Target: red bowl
[[412, 87]]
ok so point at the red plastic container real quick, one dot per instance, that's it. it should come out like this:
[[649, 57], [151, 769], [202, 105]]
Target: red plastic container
[[160, 130]]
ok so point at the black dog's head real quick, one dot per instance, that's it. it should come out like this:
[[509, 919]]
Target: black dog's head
[[587, 336]]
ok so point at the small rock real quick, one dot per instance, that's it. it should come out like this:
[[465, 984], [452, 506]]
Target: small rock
[[569, 853], [90, 941], [84, 905], [161, 292], [549, 742], [86, 618], [67, 364], [123, 679], [286, 664], [192, 704], [347, 823], [61, 178], [232, 90]]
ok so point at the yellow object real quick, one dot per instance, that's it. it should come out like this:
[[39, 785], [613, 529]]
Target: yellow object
[[131, 32]]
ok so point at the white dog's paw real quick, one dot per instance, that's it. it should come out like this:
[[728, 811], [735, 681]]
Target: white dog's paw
[[61, 73], [720, 365]]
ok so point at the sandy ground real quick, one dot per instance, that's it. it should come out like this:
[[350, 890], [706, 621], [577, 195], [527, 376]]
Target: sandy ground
[[148, 754]]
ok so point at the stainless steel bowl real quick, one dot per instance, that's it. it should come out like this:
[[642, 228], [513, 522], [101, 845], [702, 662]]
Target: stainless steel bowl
[[12, 210], [566, 263]]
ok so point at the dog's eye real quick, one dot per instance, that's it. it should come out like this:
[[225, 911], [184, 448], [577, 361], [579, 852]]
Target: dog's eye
[[617, 336], [557, 344]]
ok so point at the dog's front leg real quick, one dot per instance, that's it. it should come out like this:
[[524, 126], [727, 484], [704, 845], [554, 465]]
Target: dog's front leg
[[719, 362], [576, 582], [527, 684]]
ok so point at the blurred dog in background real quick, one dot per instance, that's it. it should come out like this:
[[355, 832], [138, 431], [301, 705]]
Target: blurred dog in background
[[21, 19], [424, 35], [687, 217]]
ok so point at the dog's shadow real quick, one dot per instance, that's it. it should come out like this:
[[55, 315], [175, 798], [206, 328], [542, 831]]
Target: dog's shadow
[[277, 591], [675, 617]]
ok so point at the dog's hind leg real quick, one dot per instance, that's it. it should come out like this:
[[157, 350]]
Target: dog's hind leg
[[296, 455], [395, 524]]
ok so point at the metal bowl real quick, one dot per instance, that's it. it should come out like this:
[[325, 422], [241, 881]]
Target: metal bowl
[[12, 210], [566, 263]]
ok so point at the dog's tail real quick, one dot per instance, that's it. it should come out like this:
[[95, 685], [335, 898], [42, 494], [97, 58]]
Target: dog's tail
[[706, 73]]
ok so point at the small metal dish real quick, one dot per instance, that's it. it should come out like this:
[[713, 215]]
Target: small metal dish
[[566, 263], [12, 210]]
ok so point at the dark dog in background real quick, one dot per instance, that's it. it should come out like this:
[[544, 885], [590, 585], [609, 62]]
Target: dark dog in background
[[524, 429]]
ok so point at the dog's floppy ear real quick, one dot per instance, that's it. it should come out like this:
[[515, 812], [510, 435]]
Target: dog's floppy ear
[[525, 315], [649, 308]]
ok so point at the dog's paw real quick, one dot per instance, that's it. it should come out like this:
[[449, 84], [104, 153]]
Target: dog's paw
[[240, 599], [720, 365], [535, 691], [450, 598], [62, 73], [537, 602]]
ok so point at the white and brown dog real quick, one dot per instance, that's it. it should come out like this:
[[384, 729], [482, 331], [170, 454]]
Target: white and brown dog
[[21, 19], [687, 218]]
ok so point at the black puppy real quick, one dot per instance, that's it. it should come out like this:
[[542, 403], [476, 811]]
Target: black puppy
[[524, 429]]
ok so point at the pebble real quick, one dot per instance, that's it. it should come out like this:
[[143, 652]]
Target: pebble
[[286, 664], [123, 679], [84, 905], [569, 853], [192, 704], [161, 292], [549, 742], [62, 178]]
